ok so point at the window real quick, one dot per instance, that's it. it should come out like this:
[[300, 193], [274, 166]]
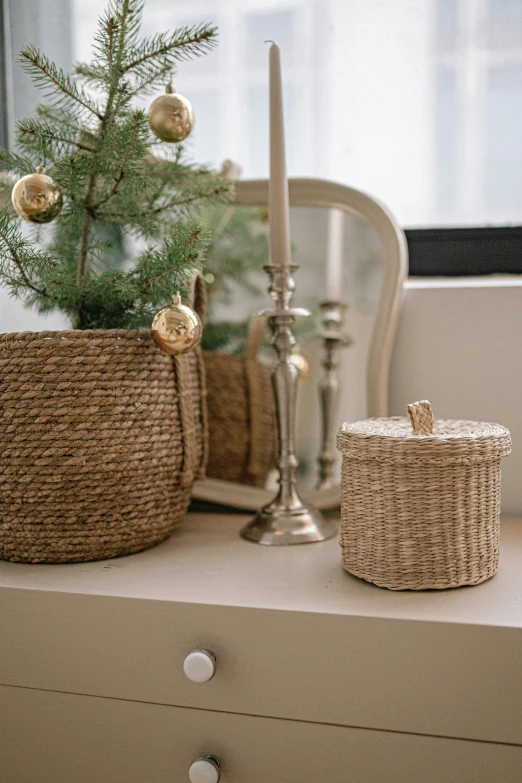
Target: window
[[416, 101]]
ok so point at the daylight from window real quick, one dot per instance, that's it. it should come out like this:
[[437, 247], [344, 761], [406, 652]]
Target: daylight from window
[[416, 101]]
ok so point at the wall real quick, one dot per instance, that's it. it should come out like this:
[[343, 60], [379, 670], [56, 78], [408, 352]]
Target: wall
[[48, 27], [459, 345]]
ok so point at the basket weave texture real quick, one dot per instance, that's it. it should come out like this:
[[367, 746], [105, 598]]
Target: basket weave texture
[[241, 415], [241, 412], [421, 504], [101, 437]]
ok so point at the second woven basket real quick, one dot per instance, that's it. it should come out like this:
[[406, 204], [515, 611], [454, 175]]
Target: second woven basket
[[421, 500], [241, 413]]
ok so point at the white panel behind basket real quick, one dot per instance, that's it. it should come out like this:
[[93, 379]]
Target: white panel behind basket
[[459, 344], [14, 317]]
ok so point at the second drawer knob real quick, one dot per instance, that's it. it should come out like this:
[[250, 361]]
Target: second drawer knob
[[200, 665], [205, 770]]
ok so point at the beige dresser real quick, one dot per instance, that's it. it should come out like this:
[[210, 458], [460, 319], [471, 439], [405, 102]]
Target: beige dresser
[[317, 676]]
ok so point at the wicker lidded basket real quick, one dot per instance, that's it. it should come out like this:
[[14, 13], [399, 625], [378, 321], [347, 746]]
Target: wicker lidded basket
[[101, 438], [421, 500]]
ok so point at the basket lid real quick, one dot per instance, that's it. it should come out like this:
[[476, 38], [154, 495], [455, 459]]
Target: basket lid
[[421, 437]]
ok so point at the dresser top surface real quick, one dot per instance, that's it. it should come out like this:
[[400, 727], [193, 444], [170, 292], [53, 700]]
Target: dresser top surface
[[206, 562]]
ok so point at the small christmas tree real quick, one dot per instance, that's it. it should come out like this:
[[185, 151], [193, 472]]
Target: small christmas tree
[[115, 177]]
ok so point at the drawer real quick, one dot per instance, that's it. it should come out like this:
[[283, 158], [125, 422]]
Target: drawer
[[59, 738], [401, 675]]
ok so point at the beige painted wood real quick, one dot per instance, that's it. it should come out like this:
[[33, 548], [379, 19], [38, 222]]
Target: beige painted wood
[[295, 636], [206, 562], [308, 192], [61, 738]]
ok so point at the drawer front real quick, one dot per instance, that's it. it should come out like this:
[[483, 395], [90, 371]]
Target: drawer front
[[417, 677], [58, 738]]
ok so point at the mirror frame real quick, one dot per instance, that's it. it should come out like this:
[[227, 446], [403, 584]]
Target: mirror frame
[[309, 192]]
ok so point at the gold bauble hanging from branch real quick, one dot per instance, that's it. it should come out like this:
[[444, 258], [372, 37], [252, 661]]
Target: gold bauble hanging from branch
[[36, 197], [176, 329], [171, 116]]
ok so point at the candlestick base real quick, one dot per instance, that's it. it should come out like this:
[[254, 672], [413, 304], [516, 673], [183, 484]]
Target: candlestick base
[[278, 526]]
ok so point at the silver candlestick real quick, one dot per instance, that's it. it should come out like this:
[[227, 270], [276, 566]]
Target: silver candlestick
[[329, 387], [287, 519]]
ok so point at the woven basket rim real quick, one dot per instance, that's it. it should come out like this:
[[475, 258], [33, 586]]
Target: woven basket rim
[[453, 440], [71, 333], [399, 428]]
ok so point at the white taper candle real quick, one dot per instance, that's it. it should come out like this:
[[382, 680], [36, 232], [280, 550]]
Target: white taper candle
[[278, 209]]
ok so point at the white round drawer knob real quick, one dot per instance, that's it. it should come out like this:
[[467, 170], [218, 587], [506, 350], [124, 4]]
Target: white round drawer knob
[[200, 665], [205, 770]]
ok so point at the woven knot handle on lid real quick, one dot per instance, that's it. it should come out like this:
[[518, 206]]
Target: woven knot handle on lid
[[421, 417]]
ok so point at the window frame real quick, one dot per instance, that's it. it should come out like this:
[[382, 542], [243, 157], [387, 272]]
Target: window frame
[[464, 252]]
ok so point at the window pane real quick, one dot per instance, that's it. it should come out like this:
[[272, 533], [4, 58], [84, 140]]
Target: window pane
[[262, 26], [258, 141], [446, 24], [205, 142], [445, 133], [503, 23], [503, 159], [416, 101], [504, 12], [257, 164]]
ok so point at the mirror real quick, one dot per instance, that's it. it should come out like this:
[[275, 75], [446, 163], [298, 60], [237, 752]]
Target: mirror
[[372, 252]]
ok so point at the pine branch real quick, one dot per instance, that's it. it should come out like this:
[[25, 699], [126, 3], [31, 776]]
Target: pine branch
[[189, 259], [138, 118], [123, 24], [219, 191], [179, 46], [111, 27], [128, 13], [6, 188], [53, 80], [147, 82], [16, 164], [117, 31], [137, 293], [60, 117], [181, 251], [99, 150], [84, 239], [40, 130], [17, 251], [216, 192]]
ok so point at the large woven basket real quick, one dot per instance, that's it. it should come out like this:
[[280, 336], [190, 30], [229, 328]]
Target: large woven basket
[[241, 414], [101, 437], [421, 500]]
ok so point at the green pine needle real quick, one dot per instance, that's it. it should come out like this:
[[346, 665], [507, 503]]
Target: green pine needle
[[119, 183]]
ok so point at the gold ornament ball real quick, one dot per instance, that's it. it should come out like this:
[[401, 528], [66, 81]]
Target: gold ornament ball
[[37, 198], [171, 117], [302, 364], [177, 328]]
